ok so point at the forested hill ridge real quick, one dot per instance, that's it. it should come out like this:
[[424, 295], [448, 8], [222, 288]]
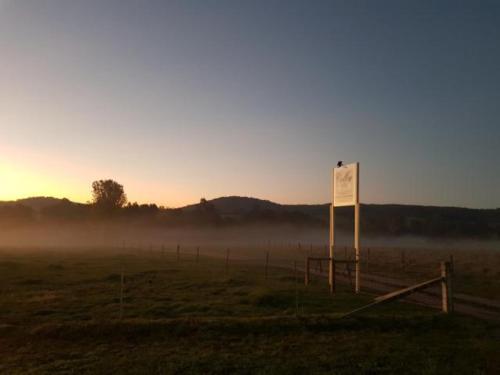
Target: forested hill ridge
[[382, 219]]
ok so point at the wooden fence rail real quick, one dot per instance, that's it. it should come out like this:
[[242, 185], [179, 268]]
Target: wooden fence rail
[[446, 291]]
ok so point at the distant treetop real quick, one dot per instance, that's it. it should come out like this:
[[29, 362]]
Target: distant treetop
[[108, 195]]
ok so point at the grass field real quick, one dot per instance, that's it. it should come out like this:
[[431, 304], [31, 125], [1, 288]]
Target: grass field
[[60, 313]]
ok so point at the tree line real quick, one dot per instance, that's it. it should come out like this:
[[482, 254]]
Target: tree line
[[109, 202]]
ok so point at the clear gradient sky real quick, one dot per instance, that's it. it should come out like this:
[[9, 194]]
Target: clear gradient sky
[[179, 100]]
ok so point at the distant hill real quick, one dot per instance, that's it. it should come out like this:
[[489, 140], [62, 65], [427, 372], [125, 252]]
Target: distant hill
[[394, 219], [235, 205], [35, 203], [384, 219]]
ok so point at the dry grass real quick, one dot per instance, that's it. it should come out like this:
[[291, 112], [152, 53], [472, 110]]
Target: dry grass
[[60, 314]]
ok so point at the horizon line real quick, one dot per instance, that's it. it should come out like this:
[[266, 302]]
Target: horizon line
[[250, 197]]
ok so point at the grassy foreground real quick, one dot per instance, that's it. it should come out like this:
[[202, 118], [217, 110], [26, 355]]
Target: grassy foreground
[[60, 313]]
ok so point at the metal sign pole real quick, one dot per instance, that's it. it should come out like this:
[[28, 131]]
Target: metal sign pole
[[356, 247], [331, 271], [356, 233]]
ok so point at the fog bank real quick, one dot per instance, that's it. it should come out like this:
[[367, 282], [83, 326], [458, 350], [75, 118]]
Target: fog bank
[[130, 235]]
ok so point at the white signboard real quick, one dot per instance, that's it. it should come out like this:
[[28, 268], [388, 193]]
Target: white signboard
[[345, 185]]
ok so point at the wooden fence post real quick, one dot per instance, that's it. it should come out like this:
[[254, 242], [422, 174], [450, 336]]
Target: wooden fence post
[[332, 281], [306, 274], [451, 273], [121, 294], [296, 287], [267, 263], [446, 288]]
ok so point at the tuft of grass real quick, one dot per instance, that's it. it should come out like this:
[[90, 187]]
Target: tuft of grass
[[55, 267], [272, 299], [30, 282], [114, 277]]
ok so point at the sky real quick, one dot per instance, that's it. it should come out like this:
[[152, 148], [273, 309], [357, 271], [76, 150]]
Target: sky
[[179, 100]]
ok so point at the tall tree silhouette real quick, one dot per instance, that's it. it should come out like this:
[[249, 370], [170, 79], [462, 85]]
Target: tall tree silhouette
[[108, 195]]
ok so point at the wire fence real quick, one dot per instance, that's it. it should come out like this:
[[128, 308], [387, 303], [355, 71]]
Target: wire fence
[[383, 269]]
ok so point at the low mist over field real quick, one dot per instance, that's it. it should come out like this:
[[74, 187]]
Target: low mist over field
[[241, 221], [252, 235]]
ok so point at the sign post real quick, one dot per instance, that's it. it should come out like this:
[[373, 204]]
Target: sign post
[[345, 192]]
